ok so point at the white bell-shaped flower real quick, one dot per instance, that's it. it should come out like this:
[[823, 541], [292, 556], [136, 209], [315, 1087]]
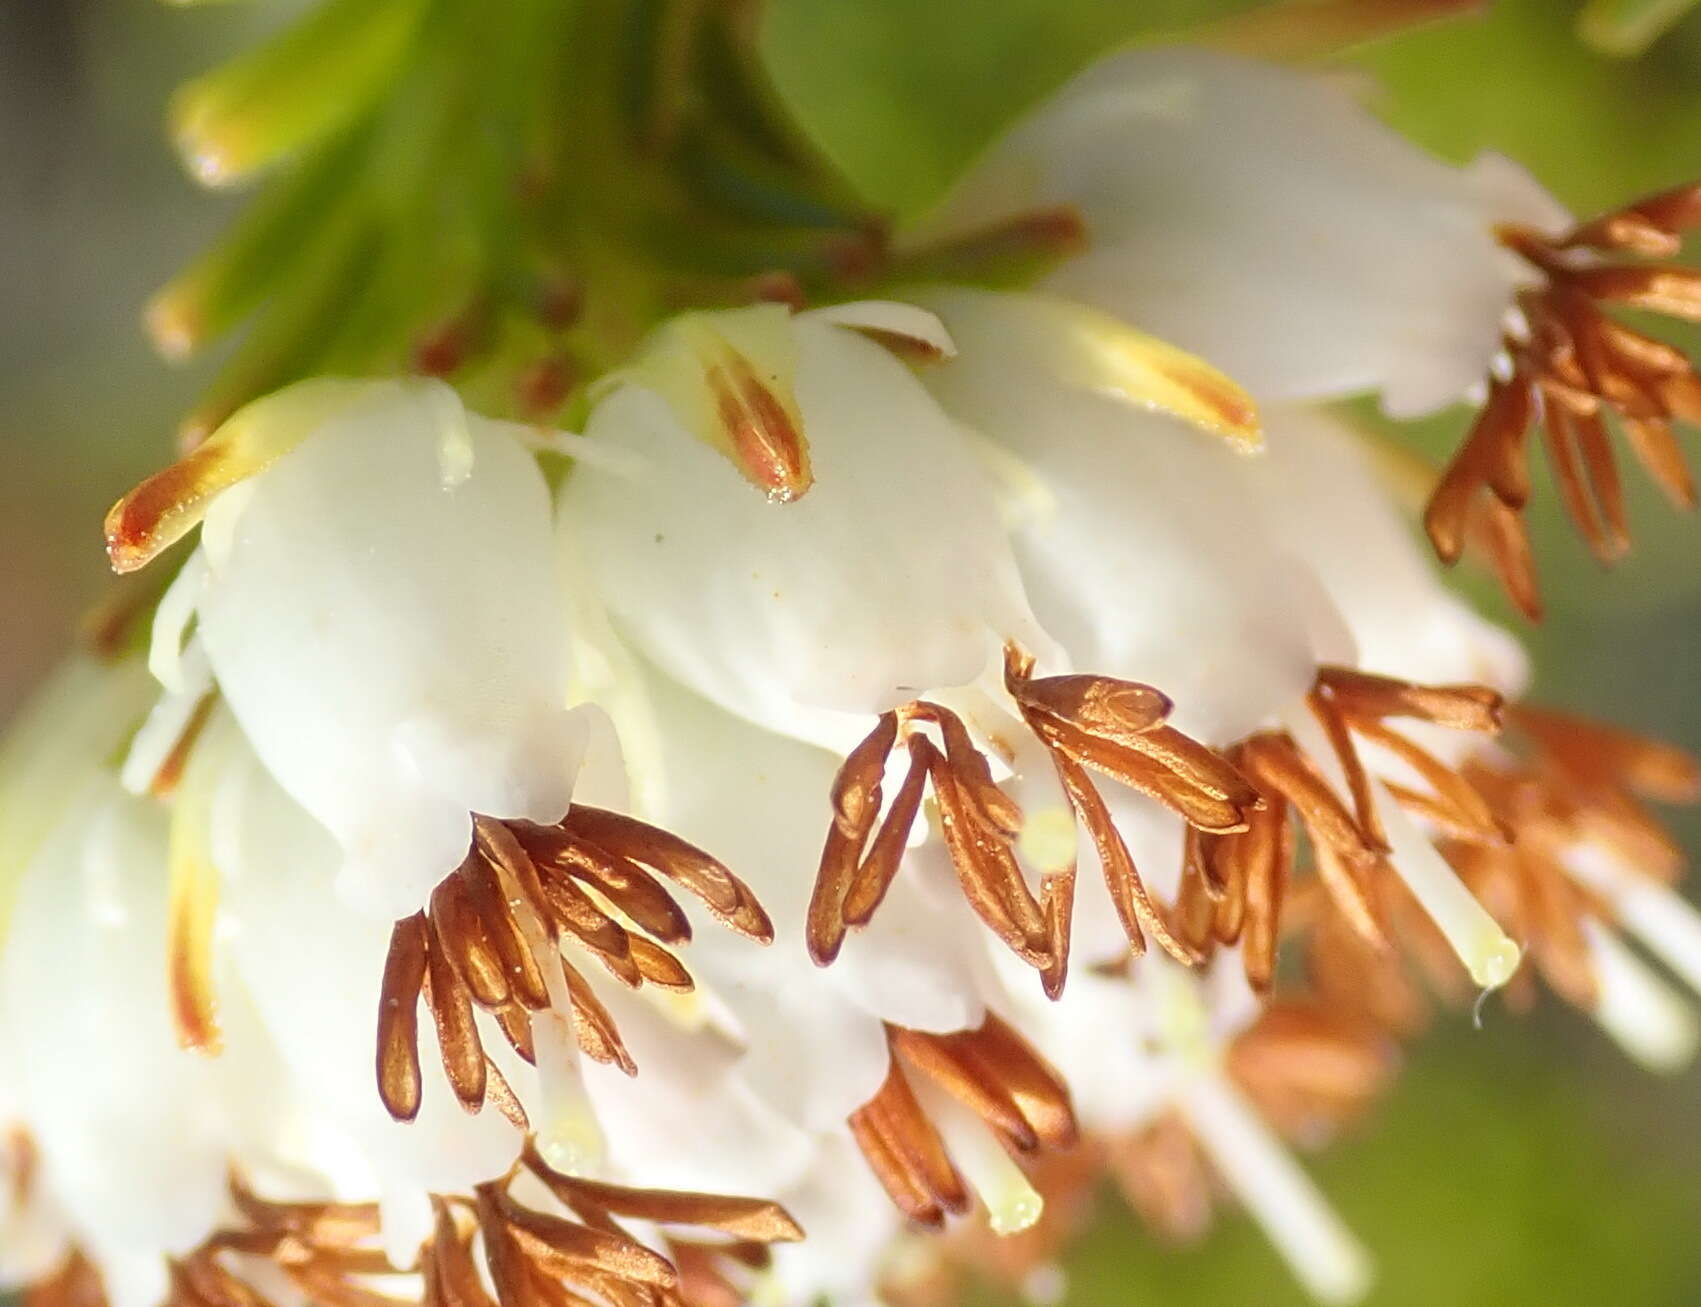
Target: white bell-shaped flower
[[134, 1135], [1259, 217], [379, 606], [313, 968], [1140, 548], [890, 578]]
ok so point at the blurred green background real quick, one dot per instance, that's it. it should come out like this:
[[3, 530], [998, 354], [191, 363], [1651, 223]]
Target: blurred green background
[[1522, 1163]]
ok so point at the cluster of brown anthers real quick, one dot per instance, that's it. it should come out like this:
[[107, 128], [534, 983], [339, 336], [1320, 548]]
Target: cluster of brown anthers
[[1085, 722], [491, 936], [1310, 1068], [543, 1238], [1233, 885], [1504, 818], [1236, 806], [1571, 368], [1561, 784], [1317, 1057]]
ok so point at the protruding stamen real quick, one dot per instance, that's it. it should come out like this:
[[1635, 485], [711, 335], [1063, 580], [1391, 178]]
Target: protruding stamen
[[1666, 922], [740, 1218], [1134, 907], [329, 1252], [1323, 1253], [1636, 1008], [1488, 954], [886, 853]]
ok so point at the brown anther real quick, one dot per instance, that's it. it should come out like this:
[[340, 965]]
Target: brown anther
[[450, 1002], [1100, 706], [1135, 910], [398, 1021], [1330, 715], [1178, 772], [1111, 726], [625, 884], [73, 1283], [658, 967], [1598, 754], [1512, 821], [978, 823], [702, 1281], [1233, 889], [490, 902], [1276, 762], [574, 1256], [1454, 803], [442, 351], [450, 1257], [593, 1026], [856, 798], [1163, 1177], [777, 287], [563, 1247], [762, 436], [1310, 1069], [1495, 440], [906, 1154], [885, 854], [998, 1075], [984, 857], [457, 928], [751, 1219], [672, 858], [1566, 442], [1651, 227], [1363, 696], [500, 1093], [326, 1224], [1057, 903], [993, 809]]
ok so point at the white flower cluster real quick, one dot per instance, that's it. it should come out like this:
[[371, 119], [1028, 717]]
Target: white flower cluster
[[1024, 660]]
